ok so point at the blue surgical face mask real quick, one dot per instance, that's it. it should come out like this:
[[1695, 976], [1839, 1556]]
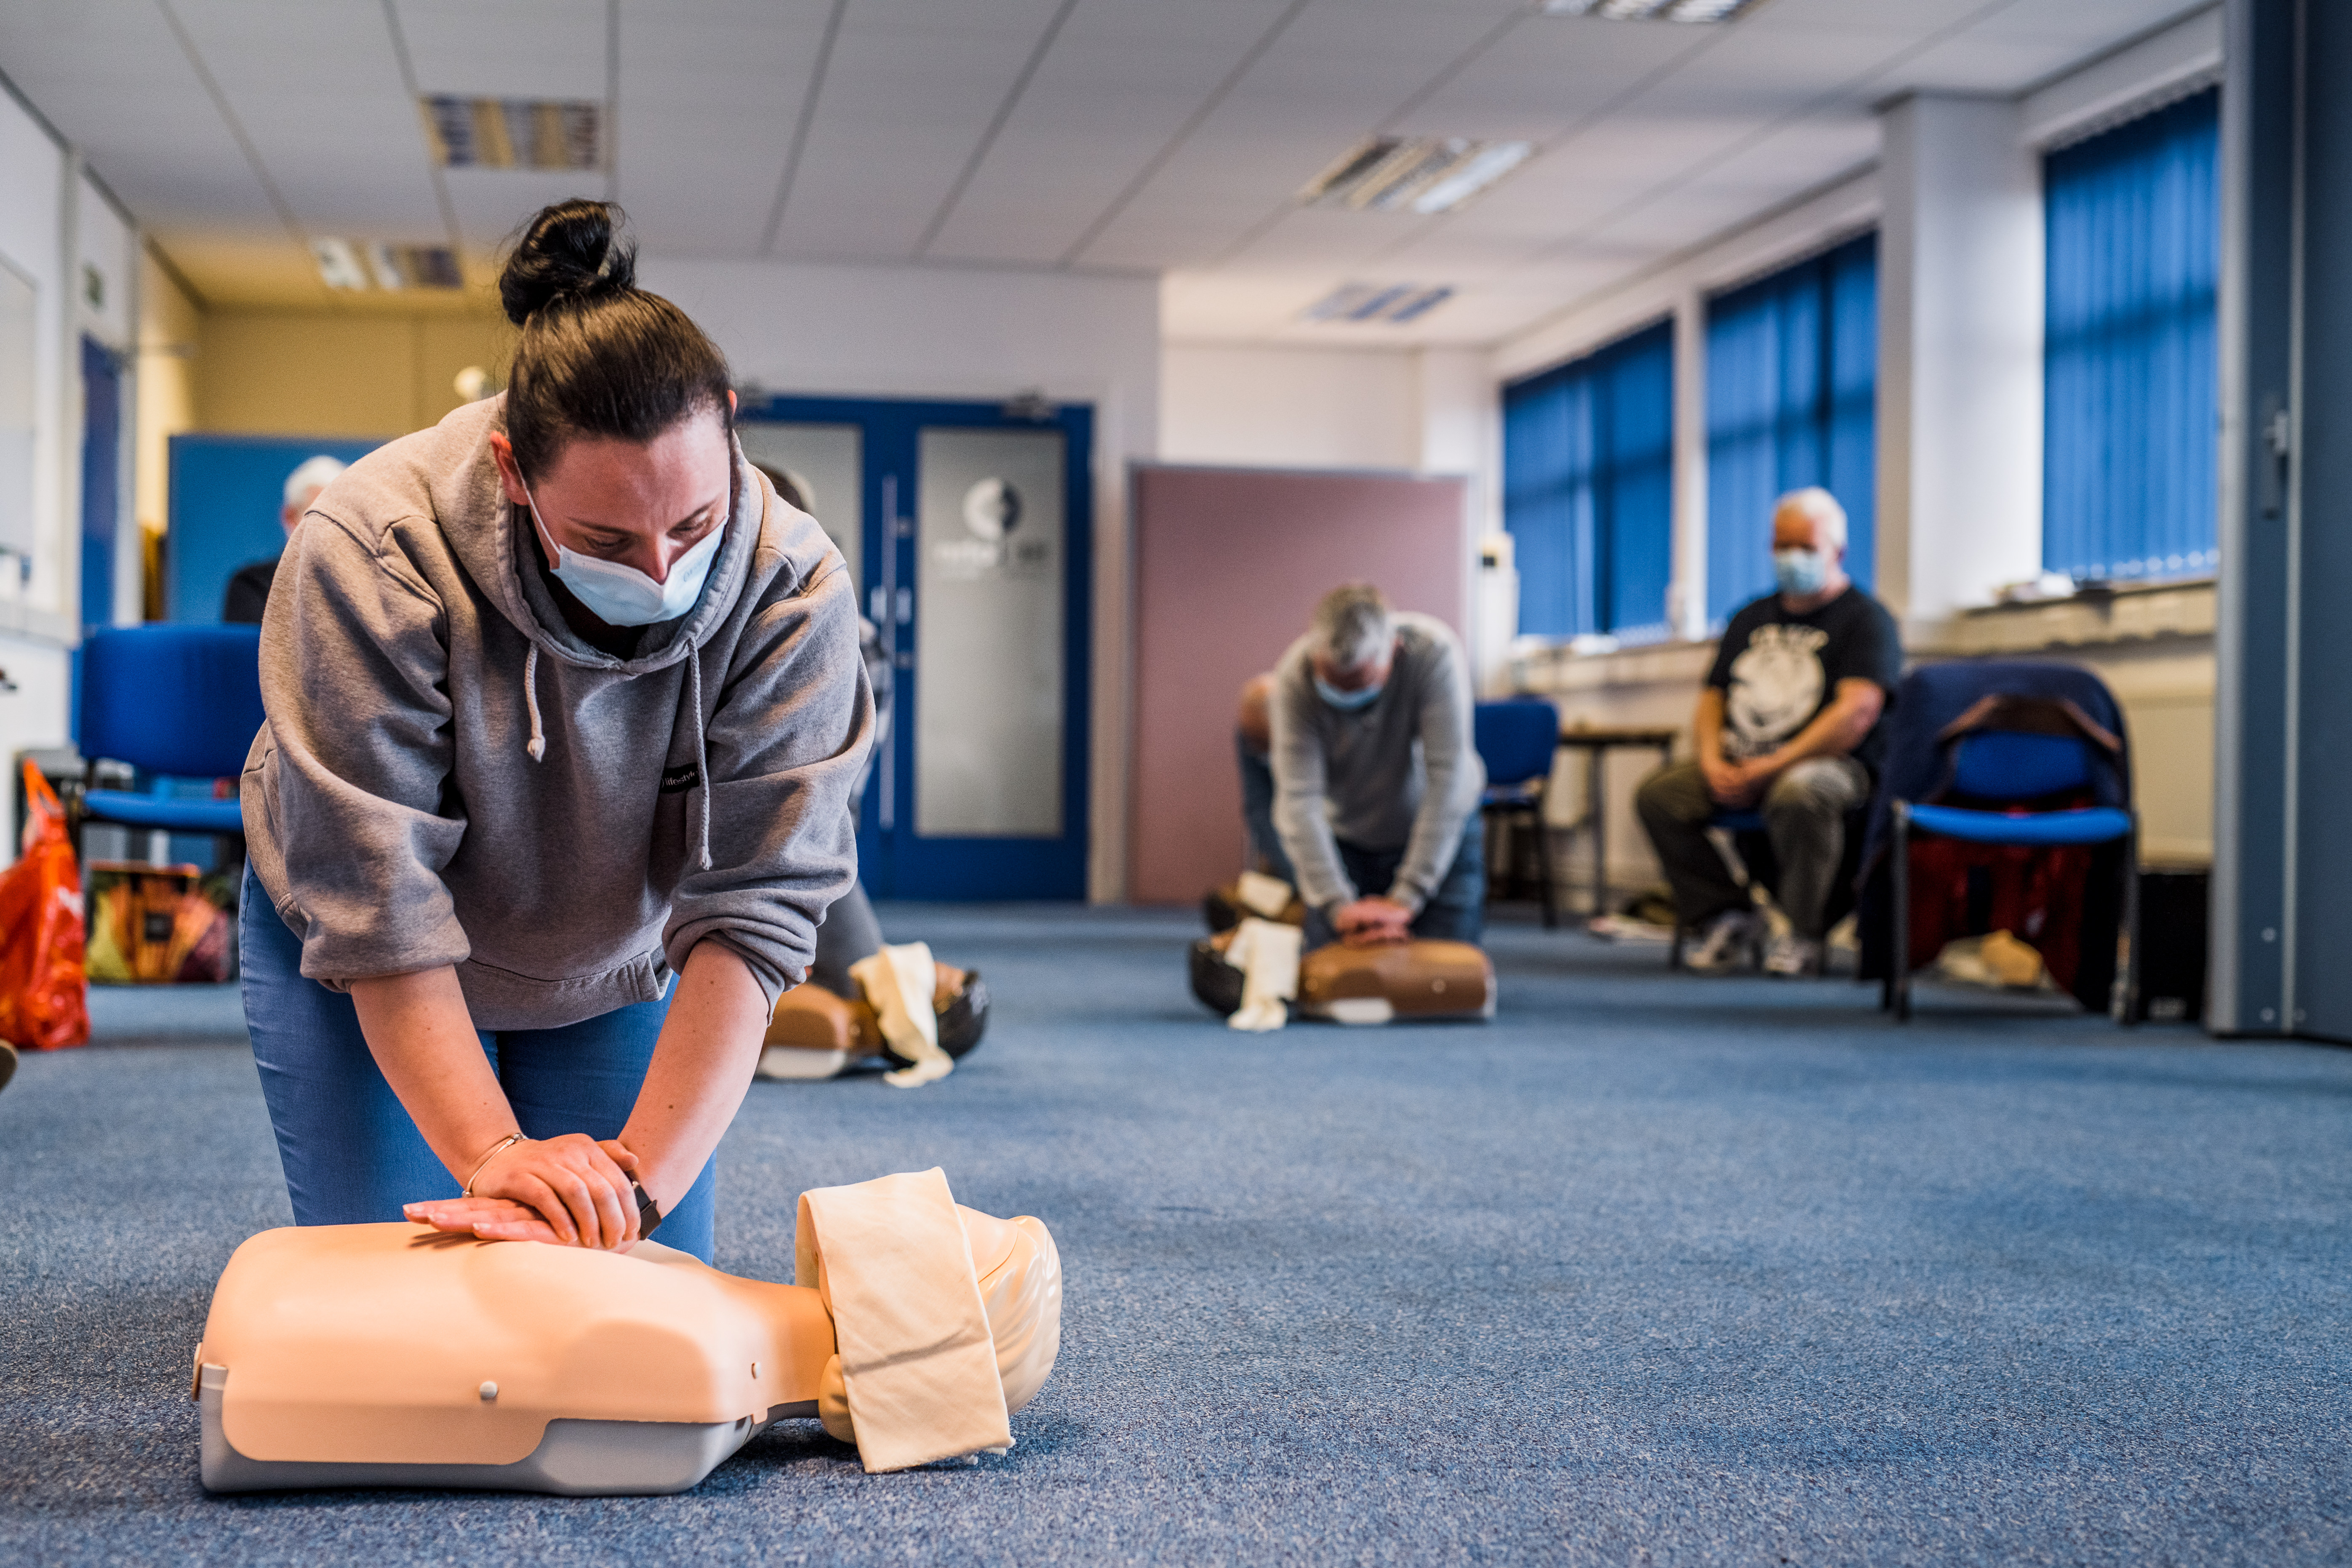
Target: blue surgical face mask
[[1801, 571], [621, 595], [1348, 701]]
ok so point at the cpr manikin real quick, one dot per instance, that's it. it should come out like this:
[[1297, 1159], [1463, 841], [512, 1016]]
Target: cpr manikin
[[375, 1355], [1253, 973]]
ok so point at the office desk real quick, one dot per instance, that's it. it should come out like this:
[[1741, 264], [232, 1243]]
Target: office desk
[[1596, 746]]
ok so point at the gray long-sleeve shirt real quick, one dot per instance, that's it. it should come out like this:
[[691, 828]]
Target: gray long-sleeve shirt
[[1400, 772]]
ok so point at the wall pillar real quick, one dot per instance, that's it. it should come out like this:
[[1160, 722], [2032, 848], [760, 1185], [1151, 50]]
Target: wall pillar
[[1959, 355], [1686, 599]]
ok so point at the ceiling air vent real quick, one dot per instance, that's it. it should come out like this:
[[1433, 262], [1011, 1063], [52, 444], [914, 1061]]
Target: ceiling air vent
[[1649, 10], [1394, 303], [343, 265], [1412, 173], [516, 133]]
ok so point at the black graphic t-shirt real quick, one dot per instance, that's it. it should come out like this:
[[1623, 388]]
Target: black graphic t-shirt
[[1778, 671]]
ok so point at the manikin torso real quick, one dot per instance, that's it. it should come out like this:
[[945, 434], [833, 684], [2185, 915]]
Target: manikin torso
[[370, 1349]]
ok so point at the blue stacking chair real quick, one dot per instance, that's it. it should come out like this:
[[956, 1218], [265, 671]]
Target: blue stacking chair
[[2011, 767], [1517, 740], [172, 701]]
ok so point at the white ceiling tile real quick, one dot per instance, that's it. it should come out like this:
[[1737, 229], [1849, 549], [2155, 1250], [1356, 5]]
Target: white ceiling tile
[[1652, 136], [513, 49]]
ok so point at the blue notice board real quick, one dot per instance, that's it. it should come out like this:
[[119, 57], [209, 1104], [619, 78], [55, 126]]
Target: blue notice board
[[226, 493]]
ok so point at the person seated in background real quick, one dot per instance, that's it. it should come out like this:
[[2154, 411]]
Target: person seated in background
[[1254, 743], [1376, 779], [248, 588], [1787, 726]]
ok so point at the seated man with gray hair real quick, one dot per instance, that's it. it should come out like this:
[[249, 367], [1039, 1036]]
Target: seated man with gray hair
[[1788, 727], [1376, 779]]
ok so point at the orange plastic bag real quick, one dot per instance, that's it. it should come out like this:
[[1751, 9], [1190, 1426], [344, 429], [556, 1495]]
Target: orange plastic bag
[[44, 995]]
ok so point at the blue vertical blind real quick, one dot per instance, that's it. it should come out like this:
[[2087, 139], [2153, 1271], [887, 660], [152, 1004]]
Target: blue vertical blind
[[1588, 489], [1791, 400], [2129, 394]]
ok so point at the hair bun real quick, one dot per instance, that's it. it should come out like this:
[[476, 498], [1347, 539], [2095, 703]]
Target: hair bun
[[577, 249]]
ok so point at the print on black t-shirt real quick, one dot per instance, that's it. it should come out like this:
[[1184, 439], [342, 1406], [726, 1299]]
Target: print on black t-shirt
[[1776, 687], [1778, 671]]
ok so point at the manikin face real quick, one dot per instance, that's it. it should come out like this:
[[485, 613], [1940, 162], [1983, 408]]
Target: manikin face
[[642, 505]]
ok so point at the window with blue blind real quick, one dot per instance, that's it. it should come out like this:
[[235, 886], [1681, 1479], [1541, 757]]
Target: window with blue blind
[[2129, 390], [1588, 489], [1791, 400]]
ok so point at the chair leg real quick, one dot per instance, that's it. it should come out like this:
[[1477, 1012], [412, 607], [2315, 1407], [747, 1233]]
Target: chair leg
[[1899, 964], [2130, 1014], [1543, 864]]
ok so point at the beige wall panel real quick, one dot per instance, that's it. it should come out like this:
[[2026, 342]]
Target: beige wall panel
[[327, 373]]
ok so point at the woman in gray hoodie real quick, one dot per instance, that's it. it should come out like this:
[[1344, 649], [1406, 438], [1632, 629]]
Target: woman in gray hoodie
[[564, 712]]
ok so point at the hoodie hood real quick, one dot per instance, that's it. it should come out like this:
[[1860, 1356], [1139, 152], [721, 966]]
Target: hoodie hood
[[486, 531]]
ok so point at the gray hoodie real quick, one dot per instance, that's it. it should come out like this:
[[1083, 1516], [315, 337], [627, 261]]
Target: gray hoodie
[[449, 775]]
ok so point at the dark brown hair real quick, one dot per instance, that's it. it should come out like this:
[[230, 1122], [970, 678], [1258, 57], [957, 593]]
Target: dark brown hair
[[598, 355]]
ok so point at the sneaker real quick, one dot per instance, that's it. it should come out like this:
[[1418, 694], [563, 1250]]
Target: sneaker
[[1793, 957], [1725, 944]]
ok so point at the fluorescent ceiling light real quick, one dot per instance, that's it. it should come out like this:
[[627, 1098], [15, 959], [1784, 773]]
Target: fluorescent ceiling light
[[1414, 174], [339, 264], [515, 132], [389, 266], [1471, 175], [1393, 303], [1649, 10]]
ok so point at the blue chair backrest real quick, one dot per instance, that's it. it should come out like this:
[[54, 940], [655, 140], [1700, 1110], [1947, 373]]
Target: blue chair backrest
[[1517, 740], [176, 700], [2008, 764]]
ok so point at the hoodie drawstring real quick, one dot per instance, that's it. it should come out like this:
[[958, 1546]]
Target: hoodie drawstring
[[538, 746], [701, 749]]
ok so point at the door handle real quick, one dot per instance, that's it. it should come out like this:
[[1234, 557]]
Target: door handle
[[2277, 448]]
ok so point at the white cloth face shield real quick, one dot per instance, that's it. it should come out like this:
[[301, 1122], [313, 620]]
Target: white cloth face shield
[[621, 595]]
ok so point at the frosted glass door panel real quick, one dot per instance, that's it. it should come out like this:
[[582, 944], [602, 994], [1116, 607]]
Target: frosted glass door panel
[[827, 462], [989, 553]]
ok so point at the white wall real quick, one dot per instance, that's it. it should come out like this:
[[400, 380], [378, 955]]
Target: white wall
[[37, 625], [1253, 406], [1959, 356], [969, 334]]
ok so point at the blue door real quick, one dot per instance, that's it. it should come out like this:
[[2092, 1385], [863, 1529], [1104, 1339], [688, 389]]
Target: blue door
[[967, 527], [101, 479]]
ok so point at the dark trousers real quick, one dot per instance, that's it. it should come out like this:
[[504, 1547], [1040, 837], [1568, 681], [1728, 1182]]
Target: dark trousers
[[848, 935], [1264, 847], [1804, 810], [1456, 912]]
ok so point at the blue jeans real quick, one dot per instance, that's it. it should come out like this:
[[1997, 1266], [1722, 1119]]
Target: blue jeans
[[352, 1155], [1456, 912]]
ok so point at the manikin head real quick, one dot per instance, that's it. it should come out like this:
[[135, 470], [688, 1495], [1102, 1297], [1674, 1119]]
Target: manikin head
[[1352, 645], [1809, 546], [302, 488], [619, 418]]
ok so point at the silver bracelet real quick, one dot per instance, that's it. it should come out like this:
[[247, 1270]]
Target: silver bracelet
[[508, 1140]]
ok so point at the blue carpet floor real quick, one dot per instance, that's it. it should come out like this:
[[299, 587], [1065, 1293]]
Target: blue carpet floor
[[1650, 1269]]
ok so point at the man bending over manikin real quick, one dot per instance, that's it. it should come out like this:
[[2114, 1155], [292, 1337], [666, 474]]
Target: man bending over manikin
[[1787, 726], [1376, 781]]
